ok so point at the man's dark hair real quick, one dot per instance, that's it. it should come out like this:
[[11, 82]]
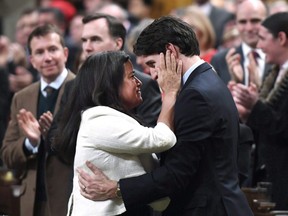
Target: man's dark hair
[[276, 23], [116, 28], [42, 31], [167, 29]]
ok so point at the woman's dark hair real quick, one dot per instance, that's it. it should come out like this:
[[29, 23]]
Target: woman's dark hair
[[167, 29], [96, 84]]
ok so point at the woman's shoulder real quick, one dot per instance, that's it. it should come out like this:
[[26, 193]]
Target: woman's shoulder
[[104, 112]]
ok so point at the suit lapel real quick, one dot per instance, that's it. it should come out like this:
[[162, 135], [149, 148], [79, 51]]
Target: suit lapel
[[32, 98], [69, 77]]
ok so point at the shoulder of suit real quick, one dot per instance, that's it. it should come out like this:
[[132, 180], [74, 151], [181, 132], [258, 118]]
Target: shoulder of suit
[[70, 75], [29, 89]]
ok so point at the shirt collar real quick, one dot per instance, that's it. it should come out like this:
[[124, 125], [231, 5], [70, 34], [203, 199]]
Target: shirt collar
[[191, 69], [56, 84], [247, 49]]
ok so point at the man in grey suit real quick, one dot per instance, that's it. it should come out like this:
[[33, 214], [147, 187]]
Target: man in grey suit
[[199, 173]]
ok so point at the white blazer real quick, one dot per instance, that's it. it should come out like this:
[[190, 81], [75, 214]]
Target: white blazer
[[118, 145]]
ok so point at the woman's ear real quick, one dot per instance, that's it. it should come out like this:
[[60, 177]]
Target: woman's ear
[[173, 49]]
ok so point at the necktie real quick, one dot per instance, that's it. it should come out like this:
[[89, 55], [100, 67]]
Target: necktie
[[49, 90], [253, 75], [255, 56]]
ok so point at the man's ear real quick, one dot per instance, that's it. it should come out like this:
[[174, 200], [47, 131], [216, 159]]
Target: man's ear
[[31, 60], [282, 37], [119, 43], [173, 49]]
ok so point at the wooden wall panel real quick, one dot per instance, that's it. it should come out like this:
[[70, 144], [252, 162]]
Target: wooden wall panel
[[163, 7]]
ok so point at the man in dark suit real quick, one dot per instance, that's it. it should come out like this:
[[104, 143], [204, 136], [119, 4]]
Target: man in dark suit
[[23, 146], [199, 173], [266, 111], [249, 16]]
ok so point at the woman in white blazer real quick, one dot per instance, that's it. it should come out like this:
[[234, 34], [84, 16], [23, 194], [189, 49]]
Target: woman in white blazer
[[98, 121]]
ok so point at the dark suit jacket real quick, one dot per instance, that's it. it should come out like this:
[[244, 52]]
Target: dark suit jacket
[[199, 173], [13, 155], [270, 124], [245, 141], [4, 103], [219, 63]]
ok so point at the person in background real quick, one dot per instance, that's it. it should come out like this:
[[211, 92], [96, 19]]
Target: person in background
[[203, 29], [249, 15], [199, 173], [277, 6], [91, 5], [13, 69], [131, 40], [231, 37], [4, 98], [266, 111], [111, 35], [23, 146], [54, 16], [98, 119], [219, 17], [27, 21], [23, 74]]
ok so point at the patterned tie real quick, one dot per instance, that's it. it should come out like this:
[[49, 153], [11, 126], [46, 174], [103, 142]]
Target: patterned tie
[[49, 90], [255, 55]]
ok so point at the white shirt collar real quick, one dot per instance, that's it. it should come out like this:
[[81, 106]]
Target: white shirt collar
[[284, 66], [247, 49], [191, 69], [56, 84]]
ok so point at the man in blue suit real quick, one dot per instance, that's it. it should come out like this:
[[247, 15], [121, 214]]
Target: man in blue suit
[[199, 173]]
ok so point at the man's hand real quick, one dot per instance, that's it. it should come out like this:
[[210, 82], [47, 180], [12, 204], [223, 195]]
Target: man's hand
[[30, 126], [244, 97], [45, 122], [253, 71], [234, 65], [96, 186]]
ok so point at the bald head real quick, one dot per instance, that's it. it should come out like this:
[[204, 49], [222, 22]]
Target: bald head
[[249, 15]]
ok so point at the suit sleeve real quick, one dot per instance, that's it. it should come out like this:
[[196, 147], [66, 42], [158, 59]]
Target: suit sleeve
[[264, 118], [181, 162]]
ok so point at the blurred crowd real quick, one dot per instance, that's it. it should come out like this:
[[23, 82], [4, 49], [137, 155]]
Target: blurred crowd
[[226, 30]]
